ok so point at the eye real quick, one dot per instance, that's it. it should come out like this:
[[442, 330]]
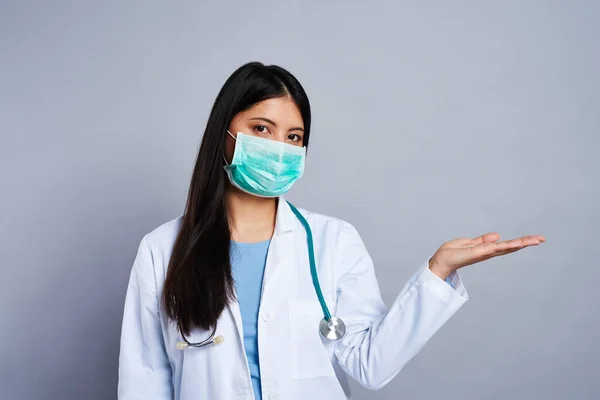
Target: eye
[[295, 138], [261, 129]]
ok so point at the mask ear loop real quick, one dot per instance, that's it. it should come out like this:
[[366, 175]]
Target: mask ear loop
[[234, 138]]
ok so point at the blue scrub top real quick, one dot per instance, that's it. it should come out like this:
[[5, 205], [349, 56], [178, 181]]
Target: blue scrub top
[[248, 262]]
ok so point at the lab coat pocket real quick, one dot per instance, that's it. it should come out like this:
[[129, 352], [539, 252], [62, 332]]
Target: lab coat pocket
[[308, 355]]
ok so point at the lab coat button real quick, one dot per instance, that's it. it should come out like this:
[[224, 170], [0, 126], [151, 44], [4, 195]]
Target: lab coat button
[[273, 396], [268, 316]]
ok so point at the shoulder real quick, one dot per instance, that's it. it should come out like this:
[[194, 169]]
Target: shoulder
[[163, 235], [333, 227], [158, 244], [338, 241], [154, 252]]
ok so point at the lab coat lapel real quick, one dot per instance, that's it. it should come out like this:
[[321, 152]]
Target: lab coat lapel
[[281, 249], [236, 314]]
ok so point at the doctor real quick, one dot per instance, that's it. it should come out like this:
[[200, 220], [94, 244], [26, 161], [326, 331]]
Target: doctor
[[246, 297]]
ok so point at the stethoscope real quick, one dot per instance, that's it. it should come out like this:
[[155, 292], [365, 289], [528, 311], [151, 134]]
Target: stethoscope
[[331, 327]]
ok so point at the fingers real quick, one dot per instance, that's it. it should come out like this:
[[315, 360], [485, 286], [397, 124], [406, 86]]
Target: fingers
[[539, 238], [489, 250], [524, 241], [468, 242], [489, 237], [492, 238], [529, 240], [502, 253]]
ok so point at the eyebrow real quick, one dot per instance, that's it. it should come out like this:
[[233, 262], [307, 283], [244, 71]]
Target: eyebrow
[[275, 125]]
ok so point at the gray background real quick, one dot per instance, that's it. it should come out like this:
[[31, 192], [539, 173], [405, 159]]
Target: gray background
[[432, 120]]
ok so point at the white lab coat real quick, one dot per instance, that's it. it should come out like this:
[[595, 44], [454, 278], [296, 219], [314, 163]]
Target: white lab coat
[[295, 362]]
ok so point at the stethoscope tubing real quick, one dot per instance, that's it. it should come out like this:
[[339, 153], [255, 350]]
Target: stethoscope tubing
[[332, 328], [313, 264]]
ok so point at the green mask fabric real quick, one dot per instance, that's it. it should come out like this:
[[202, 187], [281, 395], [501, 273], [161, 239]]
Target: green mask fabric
[[263, 167]]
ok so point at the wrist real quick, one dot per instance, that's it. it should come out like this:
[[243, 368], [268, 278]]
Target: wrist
[[439, 270]]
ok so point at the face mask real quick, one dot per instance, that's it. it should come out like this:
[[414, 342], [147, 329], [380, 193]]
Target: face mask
[[263, 167]]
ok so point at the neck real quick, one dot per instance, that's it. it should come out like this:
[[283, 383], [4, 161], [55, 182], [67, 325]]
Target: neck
[[251, 218]]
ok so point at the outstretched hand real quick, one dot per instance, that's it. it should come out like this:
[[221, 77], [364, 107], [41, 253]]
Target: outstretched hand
[[459, 253]]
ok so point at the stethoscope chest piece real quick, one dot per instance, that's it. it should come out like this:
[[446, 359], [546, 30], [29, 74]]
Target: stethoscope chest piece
[[333, 329]]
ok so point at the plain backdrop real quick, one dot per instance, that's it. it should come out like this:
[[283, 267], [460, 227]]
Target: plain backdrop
[[432, 120]]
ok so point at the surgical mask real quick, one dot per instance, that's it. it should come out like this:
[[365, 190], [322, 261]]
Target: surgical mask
[[263, 167]]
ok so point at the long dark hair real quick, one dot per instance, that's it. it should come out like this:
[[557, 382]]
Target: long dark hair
[[199, 282]]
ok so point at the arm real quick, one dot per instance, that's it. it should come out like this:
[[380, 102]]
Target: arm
[[380, 341], [144, 369]]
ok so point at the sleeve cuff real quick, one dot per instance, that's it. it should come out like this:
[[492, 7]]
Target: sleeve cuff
[[447, 290]]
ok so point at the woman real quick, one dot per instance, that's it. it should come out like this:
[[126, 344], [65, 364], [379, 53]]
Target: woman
[[222, 302]]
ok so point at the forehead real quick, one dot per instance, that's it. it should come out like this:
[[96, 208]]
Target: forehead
[[281, 110]]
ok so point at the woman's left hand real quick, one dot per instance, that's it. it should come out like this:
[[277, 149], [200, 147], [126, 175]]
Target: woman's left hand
[[459, 253]]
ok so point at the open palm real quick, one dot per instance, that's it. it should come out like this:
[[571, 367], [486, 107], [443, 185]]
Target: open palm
[[461, 252]]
